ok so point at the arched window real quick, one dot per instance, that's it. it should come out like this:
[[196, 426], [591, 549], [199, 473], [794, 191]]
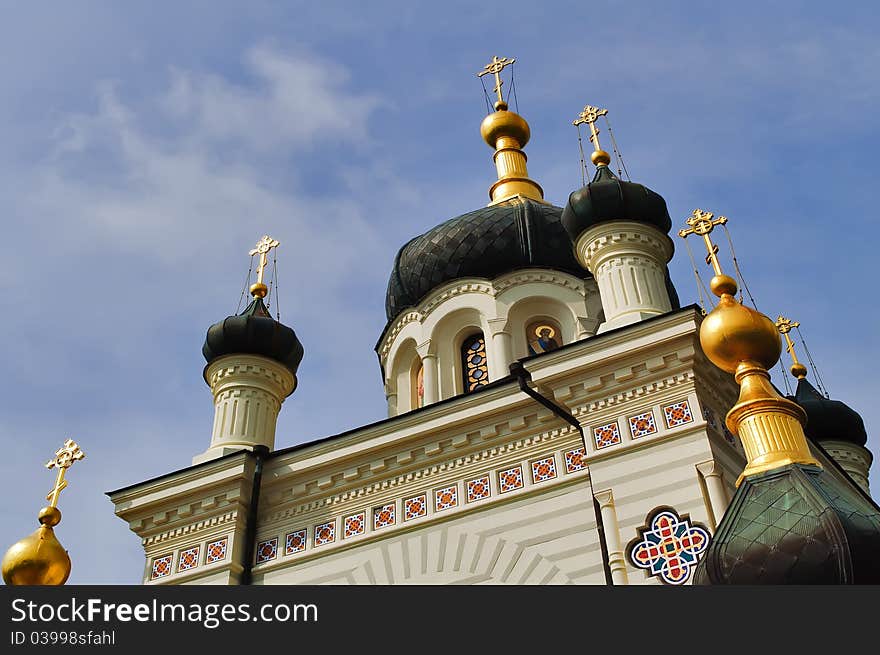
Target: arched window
[[473, 362], [543, 336]]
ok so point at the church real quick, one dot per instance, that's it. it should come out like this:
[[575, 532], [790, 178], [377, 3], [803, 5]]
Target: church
[[555, 416]]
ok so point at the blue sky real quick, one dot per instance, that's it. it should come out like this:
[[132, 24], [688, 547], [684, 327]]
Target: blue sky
[[147, 147]]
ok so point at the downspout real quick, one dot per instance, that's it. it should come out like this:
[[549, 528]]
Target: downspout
[[258, 454], [523, 377]]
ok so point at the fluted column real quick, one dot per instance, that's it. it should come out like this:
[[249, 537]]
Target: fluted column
[[715, 489], [248, 391], [616, 557], [628, 260], [430, 375], [501, 351]]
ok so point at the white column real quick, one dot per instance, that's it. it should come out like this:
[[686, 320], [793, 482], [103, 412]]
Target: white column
[[616, 558], [627, 260], [715, 489], [852, 458], [499, 349], [391, 397], [248, 391], [430, 382]]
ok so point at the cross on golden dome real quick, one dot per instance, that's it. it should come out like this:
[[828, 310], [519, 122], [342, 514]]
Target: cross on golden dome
[[495, 67], [64, 458], [702, 223]]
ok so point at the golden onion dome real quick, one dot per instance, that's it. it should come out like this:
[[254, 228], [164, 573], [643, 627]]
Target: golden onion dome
[[504, 123], [39, 558], [732, 333]]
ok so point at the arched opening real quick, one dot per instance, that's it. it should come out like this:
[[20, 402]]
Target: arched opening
[[542, 336], [474, 362]]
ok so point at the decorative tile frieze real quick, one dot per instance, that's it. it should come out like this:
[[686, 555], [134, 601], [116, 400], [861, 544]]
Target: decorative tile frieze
[[216, 550], [544, 469], [354, 525], [325, 533], [607, 435], [677, 414], [641, 425], [383, 516], [445, 498], [188, 559], [267, 550], [478, 489], [295, 542], [574, 460], [415, 507], [510, 479], [161, 566]]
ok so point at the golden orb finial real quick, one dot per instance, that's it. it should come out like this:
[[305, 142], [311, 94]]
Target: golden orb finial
[[508, 133], [39, 558], [264, 245]]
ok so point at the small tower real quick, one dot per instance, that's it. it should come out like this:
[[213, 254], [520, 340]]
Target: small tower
[[252, 363], [39, 558], [837, 427], [619, 232], [790, 520]]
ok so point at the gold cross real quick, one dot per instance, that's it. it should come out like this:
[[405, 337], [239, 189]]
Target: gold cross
[[495, 67], [785, 325], [590, 115], [262, 249], [702, 223], [64, 459]]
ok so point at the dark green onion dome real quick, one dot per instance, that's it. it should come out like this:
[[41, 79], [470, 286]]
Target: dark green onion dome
[[608, 198], [485, 243], [254, 332], [797, 524], [829, 420]]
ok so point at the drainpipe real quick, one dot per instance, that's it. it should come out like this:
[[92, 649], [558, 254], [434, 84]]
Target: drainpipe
[[258, 454], [523, 377]]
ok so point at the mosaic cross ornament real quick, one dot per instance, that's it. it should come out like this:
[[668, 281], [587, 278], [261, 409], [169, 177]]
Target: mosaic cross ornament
[[264, 245], [668, 546], [495, 67], [63, 460]]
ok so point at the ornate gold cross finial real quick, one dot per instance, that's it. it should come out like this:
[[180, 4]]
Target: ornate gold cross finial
[[63, 460], [702, 223], [785, 325], [495, 67], [590, 115], [264, 245]]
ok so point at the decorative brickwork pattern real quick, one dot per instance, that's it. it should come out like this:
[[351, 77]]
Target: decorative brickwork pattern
[[544, 469], [267, 550], [445, 498], [510, 479], [478, 489], [678, 414], [325, 533], [216, 550], [641, 425], [574, 460], [295, 542], [188, 559], [162, 566], [415, 507], [383, 516], [606, 435], [354, 525]]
